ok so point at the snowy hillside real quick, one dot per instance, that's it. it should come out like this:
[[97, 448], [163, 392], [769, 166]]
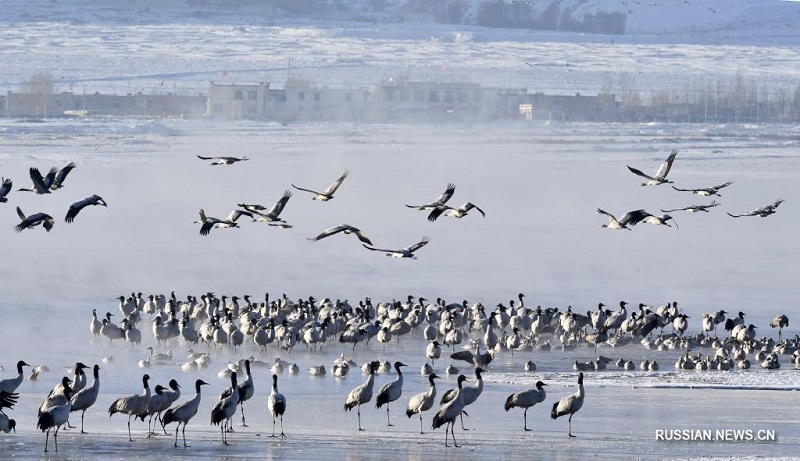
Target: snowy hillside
[[715, 21]]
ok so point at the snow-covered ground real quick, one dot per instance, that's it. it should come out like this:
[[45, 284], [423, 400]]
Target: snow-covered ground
[[540, 185]]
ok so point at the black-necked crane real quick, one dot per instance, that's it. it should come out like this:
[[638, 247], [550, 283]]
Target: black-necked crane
[[76, 207], [661, 175], [449, 411], [460, 212], [209, 223], [780, 322], [344, 228], [29, 222], [87, 396], [41, 184], [362, 394], [246, 390], [223, 160], [526, 399], [446, 195], [570, 404], [706, 191], [630, 218], [407, 252], [390, 391], [433, 351], [5, 188], [55, 416], [184, 412], [271, 217], [61, 176], [763, 211], [132, 405], [468, 394], [694, 208], [327, 194], [423, 401], [276, 404], [10, 385], [225, 408]]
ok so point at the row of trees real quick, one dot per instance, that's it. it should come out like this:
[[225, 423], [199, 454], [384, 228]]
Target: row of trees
[[733, 99]]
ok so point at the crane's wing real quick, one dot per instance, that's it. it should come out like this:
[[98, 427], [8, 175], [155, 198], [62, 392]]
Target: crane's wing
[[437, 211], [639, 172], [50, 178], [361, 236], [20, 213], [417, 245], [62, 175], [740, 215], [251, 207], [685, 190], [676, 209], [720, 186], [5, 188], [206, 158], [606, 213], [38, 180], [76, 207], [236, 214], [332, 188], [307, 190], [663, 170], [378, 249], [469, 205], [448, 193], [634, 217], [777, 202], [206, 227], [280, 204], [329, 232]]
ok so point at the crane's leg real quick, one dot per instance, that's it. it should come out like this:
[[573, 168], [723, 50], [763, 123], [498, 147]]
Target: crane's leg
[[358, 408], [273, 426], [161, 420], [46, 438], [282, 434], [387, 416], [55, 438], [461, 415], [570, 425], [184, 436], [176, 435], [525, 415], [244, 423], [130, 439], [82, 413], [452, 431], [420, 423], [445, 434]]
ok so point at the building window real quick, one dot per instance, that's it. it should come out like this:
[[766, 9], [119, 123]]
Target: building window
[[301, 96], [252, 95], [237, 94], [433, 96], [316, 96], [279, 97], [419, 96], [448, 96]]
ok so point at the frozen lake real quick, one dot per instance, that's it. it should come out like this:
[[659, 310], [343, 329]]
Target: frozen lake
[[540, 186]]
